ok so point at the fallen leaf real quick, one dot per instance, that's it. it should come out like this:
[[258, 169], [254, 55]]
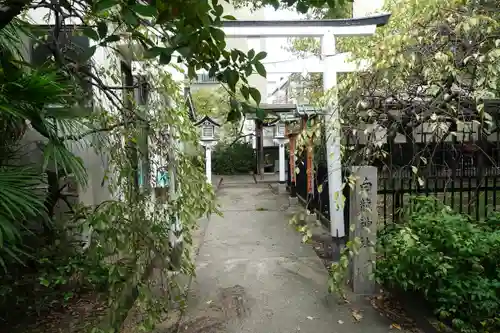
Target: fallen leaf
[[310, 318], [396, 326], [340, 322], [357, 315], [209, 302]]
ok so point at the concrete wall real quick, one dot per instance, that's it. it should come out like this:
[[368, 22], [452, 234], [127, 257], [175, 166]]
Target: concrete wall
[[96, 163]]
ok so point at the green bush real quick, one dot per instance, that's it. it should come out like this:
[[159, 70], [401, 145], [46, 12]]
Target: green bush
[[448, 259], [237, 158]]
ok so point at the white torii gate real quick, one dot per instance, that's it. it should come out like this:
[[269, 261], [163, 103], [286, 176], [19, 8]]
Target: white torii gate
[[329, 66]]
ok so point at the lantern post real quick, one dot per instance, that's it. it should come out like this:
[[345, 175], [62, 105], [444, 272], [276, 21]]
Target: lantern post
[[280, 139], [208, 139]]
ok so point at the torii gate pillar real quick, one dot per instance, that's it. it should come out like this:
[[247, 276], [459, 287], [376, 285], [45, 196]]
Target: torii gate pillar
[[337, 226]]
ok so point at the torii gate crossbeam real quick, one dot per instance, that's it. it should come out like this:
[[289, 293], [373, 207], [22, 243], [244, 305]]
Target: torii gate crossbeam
[[315, 64], [327, 30]]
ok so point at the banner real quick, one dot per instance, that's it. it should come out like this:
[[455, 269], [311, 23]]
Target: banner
[[309, 166], [292, 158]]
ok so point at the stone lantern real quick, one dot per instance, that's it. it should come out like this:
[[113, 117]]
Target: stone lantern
[[208, 140]]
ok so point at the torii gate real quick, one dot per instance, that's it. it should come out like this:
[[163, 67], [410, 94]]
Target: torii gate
[[329, 66]]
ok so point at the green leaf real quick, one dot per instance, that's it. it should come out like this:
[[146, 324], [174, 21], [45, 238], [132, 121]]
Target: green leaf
[[260, 113], [90, 33], [302, 7], [260, 69], [130, 18], [260, 56], [255, 93], [112, 38], [233, 116], [229, 17], [105, 4], [217, 34], [234, 55], [153, 52], [191, 72], [165, 58], [102, 29], [184, 51], [87, 54], [213, 71], [145, 10], [232, 79], [251, 54], [245, 92], [248, 70], [219, 10]]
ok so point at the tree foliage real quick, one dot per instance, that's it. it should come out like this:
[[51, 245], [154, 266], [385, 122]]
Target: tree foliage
[[435, 62], [313, 8], [233, 159]]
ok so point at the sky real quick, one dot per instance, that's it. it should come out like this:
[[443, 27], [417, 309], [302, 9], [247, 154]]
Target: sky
[[274, 46]]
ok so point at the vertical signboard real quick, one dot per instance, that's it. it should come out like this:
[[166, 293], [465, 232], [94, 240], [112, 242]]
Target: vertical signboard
[[309, 165], [292, 158], [363, 214], [309, 161]]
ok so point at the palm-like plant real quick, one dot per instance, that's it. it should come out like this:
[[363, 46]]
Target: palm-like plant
[[35, 99]]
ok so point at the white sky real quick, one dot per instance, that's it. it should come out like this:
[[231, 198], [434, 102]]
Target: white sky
[[274, 46]]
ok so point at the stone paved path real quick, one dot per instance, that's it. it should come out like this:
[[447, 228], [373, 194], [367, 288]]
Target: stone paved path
[[254, 274]]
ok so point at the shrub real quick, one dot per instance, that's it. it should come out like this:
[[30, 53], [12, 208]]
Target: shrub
[[237, 158], [448, 259]]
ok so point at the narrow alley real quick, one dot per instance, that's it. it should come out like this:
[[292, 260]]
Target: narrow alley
[[255, 275]]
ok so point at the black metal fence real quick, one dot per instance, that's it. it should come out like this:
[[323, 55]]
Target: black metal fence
[[462, 171], [463, 176]]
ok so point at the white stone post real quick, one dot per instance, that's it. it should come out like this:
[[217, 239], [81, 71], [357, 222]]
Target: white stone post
[[363, 215], [208, 163], [208, 144], [282, 162], [334, 164], [282, 182]]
